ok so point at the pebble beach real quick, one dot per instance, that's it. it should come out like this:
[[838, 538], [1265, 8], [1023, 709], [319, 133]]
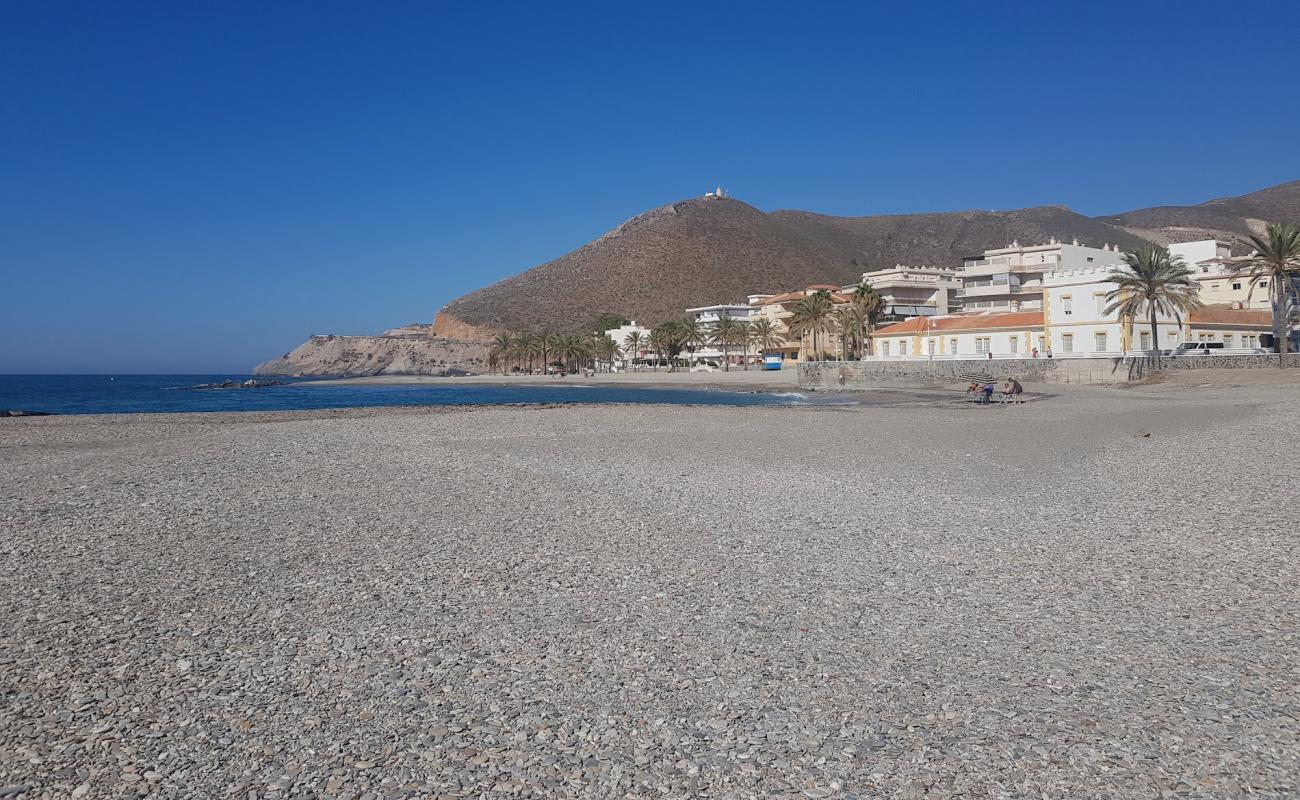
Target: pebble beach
[[1092, 595]]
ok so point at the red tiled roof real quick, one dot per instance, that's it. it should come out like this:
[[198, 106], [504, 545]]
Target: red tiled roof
[[800, 294], [1227, 315], [965, 322]]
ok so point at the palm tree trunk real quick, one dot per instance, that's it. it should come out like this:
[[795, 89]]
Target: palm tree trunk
[[1155, 332], [1280, 319]]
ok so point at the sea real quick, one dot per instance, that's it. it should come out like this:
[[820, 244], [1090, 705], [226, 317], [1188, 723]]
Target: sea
[[137, 394]]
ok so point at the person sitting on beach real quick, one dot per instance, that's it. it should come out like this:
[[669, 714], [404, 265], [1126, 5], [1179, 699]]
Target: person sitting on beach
[[988, 392], [973, 391], [1017, 391]]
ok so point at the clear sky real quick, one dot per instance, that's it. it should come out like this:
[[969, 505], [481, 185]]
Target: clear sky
[[198, 186]]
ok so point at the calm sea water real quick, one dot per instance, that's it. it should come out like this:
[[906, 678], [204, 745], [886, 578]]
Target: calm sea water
[[115, 394]]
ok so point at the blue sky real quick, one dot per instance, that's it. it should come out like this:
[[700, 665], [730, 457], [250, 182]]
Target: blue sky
[[196, 187]]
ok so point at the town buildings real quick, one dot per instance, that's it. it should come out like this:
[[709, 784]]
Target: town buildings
[[913, 291], [779, 309], [1070, 319], [711, 352], [1011, 278]]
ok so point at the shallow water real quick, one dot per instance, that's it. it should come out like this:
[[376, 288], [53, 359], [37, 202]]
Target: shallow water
[[115, 394]]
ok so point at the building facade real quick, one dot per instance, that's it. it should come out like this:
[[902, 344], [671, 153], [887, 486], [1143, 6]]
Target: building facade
[[1011, 278], [913, 291], [709, 316], [779, 309]]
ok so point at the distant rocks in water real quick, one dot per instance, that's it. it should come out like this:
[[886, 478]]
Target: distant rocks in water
[[17, 412], [251, 383]]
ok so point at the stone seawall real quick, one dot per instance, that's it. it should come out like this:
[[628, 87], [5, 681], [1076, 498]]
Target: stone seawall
[[863, 374]]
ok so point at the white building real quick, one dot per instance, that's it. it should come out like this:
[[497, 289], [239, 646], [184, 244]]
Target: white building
[[1071, 323], [1011, 278], [709, 316], [619, 335], [913, 291], [1212, 263]]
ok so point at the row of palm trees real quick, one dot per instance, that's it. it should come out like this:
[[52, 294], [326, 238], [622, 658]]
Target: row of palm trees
[[564, 350], [816, 317], [1154, 282]]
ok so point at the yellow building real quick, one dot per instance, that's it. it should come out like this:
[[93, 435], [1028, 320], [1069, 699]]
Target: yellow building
[[779, 308]]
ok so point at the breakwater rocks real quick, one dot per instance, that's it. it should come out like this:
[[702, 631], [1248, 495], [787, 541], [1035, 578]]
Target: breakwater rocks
[[251, 383]]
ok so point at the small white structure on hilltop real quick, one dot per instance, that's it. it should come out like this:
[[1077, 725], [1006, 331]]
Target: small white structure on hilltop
[[718, 192]]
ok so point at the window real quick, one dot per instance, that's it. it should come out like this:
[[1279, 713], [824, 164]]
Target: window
[[1067, 343], [1014, 344], [1204, 337], [1263, 284], [952, 345], [1144, 340], [1099, 341], [903, 347], [1249, 340], [1236, 286], [1042, 343], [929, 344], [884, 348], [1089, 259], [982, 344], [1067, 305], [1227, 340], [1100, 300]]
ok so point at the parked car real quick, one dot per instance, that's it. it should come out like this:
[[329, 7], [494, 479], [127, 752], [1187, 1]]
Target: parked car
[[1195, 348]]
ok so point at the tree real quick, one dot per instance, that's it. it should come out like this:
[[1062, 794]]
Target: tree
[[852, 322], [526, 345], [604, 348], [571, 348], [662, 340], [1276, 260], [1152, 281], [872, 304], [693, 334], [812, 317], [608, 321], [727, 332], [764, 334], [632, 345], [503, 348], [547, 342]]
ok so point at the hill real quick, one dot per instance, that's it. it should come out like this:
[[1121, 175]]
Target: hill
[[718, 250], [1225, 217]]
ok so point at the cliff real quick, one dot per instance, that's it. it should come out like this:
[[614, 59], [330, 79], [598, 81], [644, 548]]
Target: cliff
[[355, 356]]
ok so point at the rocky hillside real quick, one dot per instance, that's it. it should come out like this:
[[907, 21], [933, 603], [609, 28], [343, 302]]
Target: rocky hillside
[[710, 250], [401, 354], [1225, 218]]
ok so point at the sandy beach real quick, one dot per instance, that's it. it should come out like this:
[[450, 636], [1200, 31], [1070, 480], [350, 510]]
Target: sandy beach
[[737, 379], [1089, 596]]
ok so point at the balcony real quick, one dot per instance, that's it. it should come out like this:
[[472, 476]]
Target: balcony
[[977, 269], [990, 289]]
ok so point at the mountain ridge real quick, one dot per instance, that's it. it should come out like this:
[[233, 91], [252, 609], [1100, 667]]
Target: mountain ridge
[[701, 251]]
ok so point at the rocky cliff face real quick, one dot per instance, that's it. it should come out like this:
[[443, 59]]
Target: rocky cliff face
[[356, 356]]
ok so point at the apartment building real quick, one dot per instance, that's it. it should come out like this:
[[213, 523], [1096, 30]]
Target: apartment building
[[1011, 278], [913, 291]]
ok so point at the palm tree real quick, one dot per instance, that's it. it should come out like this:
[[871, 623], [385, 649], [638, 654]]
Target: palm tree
[[764, 334], [525, 348], [570, 349], [604, 347], [872, 304], [694, 333], [1276, 260], [727, 331], [662, 340], [632, 345], [547, 343], [851, 321], [1152, 281], [812, 317], [503, 346]]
